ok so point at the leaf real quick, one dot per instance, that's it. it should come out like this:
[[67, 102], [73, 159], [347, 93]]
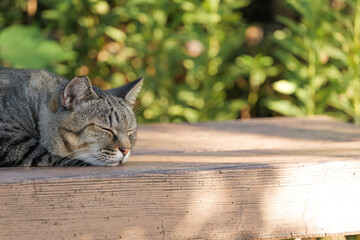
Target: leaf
[[339, 101], [298, 6], [238, 3], [289, 60], [292, 46], [335, 53], [285, 107], [245, 61], [115, 33], [191, 115], [285, 87], [265, 61], [303, 95], [257, 77], [294, 26], [26, 47], [333, 74], [319, 82]]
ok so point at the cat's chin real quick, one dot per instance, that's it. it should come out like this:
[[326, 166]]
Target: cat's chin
[[110, 164], [126, 158], [96, 162], [105, 164]]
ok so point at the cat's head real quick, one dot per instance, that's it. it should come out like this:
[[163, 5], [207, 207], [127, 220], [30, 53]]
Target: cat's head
[[95, 126]]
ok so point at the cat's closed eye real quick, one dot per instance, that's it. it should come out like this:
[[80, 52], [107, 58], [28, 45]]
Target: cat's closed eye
[[130, 131], [108, 130]]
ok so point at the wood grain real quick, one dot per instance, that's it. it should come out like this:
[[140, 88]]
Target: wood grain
[[264, 178]]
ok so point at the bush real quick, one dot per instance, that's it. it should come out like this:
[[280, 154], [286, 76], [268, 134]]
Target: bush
[[320, 55], [184, 49], [201, 59]]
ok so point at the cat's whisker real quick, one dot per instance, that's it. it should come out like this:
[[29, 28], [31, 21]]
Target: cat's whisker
[[84, 164], [99, 159], [61, 159], [81, 162], [64, 163], [78, 160], [82, 149], [137, 111]]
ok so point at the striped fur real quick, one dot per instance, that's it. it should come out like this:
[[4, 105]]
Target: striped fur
[[46, 120]]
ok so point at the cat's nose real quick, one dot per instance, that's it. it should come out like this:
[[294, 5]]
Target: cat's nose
[[125, 150]]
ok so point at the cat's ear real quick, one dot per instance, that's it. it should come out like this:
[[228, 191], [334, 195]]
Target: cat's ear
[[77, 91], [128, 92]]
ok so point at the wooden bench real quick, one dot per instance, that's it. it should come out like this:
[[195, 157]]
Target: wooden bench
[[261, 178]]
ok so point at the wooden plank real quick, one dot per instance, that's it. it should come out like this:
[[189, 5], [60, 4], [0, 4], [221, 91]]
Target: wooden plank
[[265, 178]]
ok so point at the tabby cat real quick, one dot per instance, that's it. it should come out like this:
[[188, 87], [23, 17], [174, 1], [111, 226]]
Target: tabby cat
[[46, 120]]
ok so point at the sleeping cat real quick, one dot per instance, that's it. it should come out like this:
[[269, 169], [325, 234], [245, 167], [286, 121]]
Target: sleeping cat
[[46, 120]]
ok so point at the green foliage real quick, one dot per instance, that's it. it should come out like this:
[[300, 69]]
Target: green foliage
[[184, 49], [200, 59], [256, 69], [320, 55], [26, 47]]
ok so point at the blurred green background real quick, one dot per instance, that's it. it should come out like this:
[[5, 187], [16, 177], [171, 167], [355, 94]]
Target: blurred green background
[[201, 59]]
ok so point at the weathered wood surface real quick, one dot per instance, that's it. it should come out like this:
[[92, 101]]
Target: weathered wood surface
[[263, 178]]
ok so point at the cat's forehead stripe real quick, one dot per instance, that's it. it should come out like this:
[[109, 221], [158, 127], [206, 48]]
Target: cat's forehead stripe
[[117, 117], [110, 120], [111, 112], [118, 108]]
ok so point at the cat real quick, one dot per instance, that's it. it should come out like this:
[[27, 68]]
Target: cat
[[46, 120]]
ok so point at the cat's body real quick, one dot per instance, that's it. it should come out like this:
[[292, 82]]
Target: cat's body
[[46, 120]]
